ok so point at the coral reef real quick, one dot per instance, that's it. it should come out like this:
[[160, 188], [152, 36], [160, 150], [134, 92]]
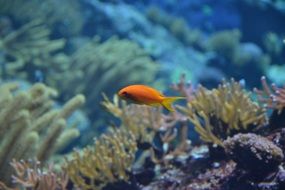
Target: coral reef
[[236, 57], [227, 44], [273, 43], [108, 161], [28, 49], [30, 127], [95, 47], [272, 98], [177, 26], [222, 112], [257, 160], [30, 174], [149, 143], [67, 21], [113, 156], [149, 123], [128, 22], [108, 61]]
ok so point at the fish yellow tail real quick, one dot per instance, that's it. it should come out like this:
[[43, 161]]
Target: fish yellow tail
[[167, 102]]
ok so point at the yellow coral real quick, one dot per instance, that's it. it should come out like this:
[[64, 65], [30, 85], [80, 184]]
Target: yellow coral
[[30, 127], [113, 154], [142, 121], [108, 161], [145, 121], [224, 111]]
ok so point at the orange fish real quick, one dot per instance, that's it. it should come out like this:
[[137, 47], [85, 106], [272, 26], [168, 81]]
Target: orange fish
[[141, 94]]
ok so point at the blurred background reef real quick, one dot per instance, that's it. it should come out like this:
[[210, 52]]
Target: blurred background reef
[[62, 125]]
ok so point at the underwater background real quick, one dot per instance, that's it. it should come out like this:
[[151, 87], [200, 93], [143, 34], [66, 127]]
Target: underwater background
[[63, 126]]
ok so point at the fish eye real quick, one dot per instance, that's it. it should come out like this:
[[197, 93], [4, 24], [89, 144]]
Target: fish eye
[[124, 93]]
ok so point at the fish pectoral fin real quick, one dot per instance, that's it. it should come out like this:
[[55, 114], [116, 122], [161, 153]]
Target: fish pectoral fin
[[167, 102]]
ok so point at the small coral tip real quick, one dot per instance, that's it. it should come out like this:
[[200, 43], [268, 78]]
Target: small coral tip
[[263, 78], [255, 89]]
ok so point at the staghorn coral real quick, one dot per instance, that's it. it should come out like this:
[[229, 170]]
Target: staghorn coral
[[28, 49], [30, 127], [222, 112]]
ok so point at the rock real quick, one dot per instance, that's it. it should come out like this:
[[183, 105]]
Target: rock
[[254, 153]]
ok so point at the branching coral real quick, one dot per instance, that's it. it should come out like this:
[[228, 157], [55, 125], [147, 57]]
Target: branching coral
[[29, 174], [177, 26], [113, 155], [224, 111], [225, 43], [145, 122], [273, 98], [113, 63], [30, 127], [273, 44], [28, 47], [108, 161], [68, 17], [140, 116]]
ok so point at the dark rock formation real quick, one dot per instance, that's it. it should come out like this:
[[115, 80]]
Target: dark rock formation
[[254, 153]]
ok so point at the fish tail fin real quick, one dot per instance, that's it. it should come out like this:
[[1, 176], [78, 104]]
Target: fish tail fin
[[167, 102]]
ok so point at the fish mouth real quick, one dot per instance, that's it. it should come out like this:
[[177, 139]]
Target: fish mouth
[[122, 95]]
